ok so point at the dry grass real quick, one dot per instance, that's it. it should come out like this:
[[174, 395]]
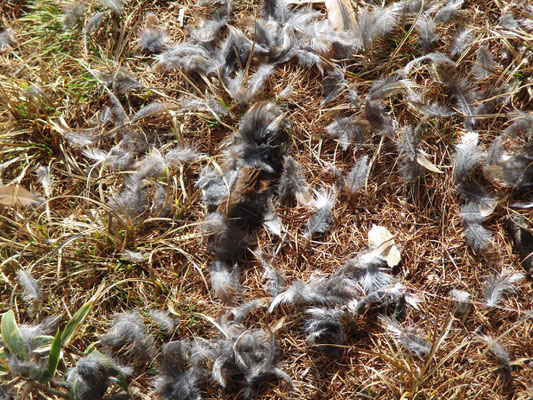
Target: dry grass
[[73, 242]]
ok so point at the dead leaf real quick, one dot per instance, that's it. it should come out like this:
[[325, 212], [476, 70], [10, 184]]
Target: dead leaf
[[379, 236], [424, 162], [340, 14], [16, 195]]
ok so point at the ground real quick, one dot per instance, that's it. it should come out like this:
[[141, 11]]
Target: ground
[[73, 242]]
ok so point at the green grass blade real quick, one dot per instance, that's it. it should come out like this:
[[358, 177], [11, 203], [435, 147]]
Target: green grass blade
[[75, 322], [11, 336], [53, 358]]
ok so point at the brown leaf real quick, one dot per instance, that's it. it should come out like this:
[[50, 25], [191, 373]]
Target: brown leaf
[[340, 14], [16, 195]]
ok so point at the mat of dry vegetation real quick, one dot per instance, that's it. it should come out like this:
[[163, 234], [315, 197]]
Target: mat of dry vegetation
[[191, 188]]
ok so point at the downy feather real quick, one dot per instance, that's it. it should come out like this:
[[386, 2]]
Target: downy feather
[[245, 358], [324, 329], [43, 175], [340, 15], [407, 337], [153, 166], [225, 281], [514, 171], [92, 25], [461, 42], [497, 285], [152, 38], [378, 119], [461, 301], [358, 175], [113, 5], [408, 149], [323, 203], [522, 235], [476, 235], [346, 131], [186, 154], [120, 81], [274, 276], [462, 91], [500, 353], [448, 12], [378, 22], [162, 319], [484, 63], [32, 288], [292, 182], [152, 109], [128, 331], [72, 14], [467, 156], [426, 34]]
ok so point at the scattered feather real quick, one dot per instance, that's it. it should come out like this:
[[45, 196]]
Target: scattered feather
[[497, 285], [43, 175], [484, 64], [340, 15], [500, 353], [462, 91], [476, 235], [162, 319], [180, 155], [32, 288], [152, 109], [462, 42], [448, 12], [258, 79], [91, 376], [522, 235], [134, 256], [113, 5], [153, 166], [461, 301], [73, 13], [152, 38], [378, 22], [120, 81], [467, 156], [514, 171], [225, 281], [128, 331], [324, 329], [323, 204], [275, 278], [93, 24], [358, 175], [333, 85], [378, 119], [426, 34], [7, 40], [175, 381], [17, 195], [408, 149], [292, 182], [246, 358], [346, 131], [407, 337]]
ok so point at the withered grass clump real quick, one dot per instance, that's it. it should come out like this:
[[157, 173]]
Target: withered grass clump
[[124, 121]]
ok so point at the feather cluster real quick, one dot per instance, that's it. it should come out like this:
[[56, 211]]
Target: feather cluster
[[242, 196], [91, 376]]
